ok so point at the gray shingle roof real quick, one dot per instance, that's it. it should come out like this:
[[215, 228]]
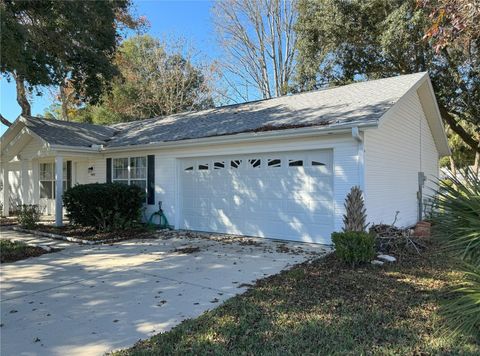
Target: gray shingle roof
[[355, 104], [58, 132], [358, 103]]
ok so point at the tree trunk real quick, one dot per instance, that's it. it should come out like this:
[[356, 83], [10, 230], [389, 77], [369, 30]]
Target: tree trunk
[[476, 165], [64, 102], [458, 129], [22, 96], [453, 167], [5, 121]]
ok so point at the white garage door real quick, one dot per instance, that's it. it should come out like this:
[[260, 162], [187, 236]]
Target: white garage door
[[276, 195]]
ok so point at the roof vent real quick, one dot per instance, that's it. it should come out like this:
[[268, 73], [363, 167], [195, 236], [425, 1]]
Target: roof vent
[[97, 147]]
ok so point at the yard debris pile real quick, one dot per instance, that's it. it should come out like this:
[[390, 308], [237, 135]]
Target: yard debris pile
[[390, 238]]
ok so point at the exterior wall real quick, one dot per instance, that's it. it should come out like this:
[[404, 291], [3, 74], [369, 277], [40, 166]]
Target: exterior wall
[[345, 160], [167, 160], [394, 154], [15, 184]]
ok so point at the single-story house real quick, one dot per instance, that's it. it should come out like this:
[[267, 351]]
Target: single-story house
[[278, 168]]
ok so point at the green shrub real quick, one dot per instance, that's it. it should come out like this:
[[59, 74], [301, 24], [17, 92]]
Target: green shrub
[[354, 247], [456, 216], [107, 206], [28, 216], [456, 225]]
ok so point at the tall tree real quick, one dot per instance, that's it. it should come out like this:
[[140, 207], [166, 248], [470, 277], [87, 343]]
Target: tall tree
[[153, 81], [45, 42], [258, 39], [343, 41]]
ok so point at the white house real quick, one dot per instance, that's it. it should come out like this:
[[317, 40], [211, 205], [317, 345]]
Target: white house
[[278, 168]]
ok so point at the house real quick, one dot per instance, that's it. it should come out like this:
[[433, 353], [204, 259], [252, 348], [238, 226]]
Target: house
[[278, 168]]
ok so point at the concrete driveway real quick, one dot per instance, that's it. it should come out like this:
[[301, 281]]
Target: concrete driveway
[[88, 300]]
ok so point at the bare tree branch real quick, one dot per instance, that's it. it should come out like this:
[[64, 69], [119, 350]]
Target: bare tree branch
[[4, 121], [259, 43]]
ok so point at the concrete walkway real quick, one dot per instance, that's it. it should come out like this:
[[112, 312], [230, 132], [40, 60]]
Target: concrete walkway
[[88, 300]]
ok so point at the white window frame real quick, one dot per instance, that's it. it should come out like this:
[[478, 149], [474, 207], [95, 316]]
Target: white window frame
[[129, 170], [52, 180]]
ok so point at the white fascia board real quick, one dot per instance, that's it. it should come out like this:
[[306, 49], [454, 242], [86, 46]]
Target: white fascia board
[[444, 138], [246, 137], [75, 149]]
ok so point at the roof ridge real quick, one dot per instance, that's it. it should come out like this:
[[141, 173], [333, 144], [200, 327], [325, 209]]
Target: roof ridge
[[157, 118]]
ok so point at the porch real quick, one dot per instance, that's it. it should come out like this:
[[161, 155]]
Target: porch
[[42, 181]]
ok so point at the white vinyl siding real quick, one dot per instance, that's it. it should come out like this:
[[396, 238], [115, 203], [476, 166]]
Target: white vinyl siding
[[168, 170], [394, 154]]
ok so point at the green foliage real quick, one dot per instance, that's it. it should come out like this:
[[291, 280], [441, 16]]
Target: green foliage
[[344, 41], [45, 42], [355, 215], [107, 206], [462, 154], [457, 227], [457, 216], [463, 310], [28, 216], [354, 247]]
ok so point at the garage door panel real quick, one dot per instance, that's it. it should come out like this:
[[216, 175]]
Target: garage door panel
[[277, 195]]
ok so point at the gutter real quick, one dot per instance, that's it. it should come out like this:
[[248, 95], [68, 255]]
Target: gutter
[[243, 137], [360, 158]]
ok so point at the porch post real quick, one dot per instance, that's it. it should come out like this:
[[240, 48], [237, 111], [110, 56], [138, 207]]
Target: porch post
[[58, 190], [5, 198]]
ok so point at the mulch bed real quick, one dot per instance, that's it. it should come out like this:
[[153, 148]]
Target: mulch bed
[[90, 234], [11, 251]]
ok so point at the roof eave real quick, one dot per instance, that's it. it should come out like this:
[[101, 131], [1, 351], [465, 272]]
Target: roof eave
[[248, 136]]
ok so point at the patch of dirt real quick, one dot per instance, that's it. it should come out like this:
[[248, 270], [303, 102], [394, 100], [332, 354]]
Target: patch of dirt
[[187, 249]]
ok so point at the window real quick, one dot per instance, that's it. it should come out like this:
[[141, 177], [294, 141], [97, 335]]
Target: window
[[219, 165], [255, 162], [317, 163], [274, 162], [295, 162], [203, 167], [189, 168], [236, 163], [138, 171], [131, 171], [47, 179]]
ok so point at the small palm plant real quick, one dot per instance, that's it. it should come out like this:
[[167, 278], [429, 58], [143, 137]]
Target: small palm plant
[[456, 225], [355, 212]]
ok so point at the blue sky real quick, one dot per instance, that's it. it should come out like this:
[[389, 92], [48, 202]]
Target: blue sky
[[185, 19]]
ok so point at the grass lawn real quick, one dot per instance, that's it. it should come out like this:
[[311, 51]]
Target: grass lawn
[[327, 308], [11, 251]]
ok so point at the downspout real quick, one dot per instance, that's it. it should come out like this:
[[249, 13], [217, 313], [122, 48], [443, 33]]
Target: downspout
[[360, 157]]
